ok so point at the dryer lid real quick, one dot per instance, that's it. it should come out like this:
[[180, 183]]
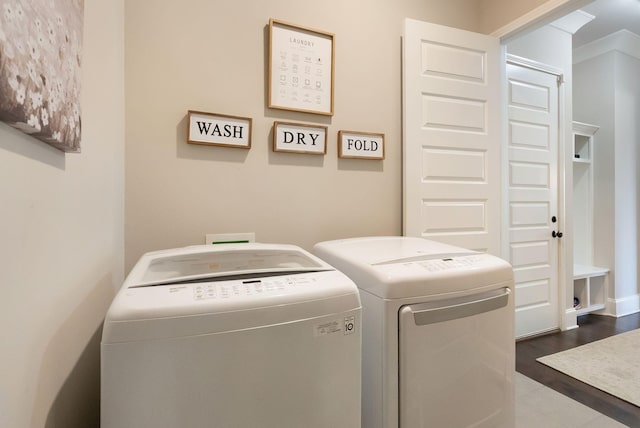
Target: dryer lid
[[212, 262], [395, 267]]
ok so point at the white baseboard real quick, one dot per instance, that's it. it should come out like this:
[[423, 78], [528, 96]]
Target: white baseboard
[[625, 306], [570, 320]]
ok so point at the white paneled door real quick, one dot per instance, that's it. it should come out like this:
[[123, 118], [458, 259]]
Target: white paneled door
[[451, 144], [452, 170], [532, 98]]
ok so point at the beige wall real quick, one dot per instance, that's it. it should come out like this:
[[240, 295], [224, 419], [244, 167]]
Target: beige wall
[[62, 215], [497, 13], [211, 56], [61, 246]]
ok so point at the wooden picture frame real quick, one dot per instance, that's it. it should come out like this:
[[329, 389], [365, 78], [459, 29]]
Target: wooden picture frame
[[360, 145], [211, 129], [299, 138], [41, 50], [301, 68]]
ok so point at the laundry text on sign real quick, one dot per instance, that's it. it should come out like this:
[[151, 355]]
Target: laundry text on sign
[[362, 145], [229, 131], [299, 138]]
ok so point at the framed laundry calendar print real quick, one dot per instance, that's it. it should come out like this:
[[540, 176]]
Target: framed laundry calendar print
[[40, 78], [301, 68]]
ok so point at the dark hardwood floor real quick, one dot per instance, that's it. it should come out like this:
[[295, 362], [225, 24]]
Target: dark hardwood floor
[[592, 328]]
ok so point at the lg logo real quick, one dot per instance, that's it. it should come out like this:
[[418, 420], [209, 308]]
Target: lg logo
[[349, 325]]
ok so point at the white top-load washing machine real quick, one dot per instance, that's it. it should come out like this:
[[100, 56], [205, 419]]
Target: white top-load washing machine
[[232, 336], [438, 339]]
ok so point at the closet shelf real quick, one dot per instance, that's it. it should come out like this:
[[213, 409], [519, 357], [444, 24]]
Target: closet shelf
[[589, 282], [582, 161], [582, 271], [589, 287]]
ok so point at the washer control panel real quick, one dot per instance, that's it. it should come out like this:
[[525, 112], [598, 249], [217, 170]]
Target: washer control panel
[[249, 287], [444, 264]]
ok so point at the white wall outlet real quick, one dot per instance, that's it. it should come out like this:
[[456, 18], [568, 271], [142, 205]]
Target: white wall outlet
[[229, 238]]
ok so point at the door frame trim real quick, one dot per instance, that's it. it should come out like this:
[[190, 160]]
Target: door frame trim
[[535, 65], [538, 17], [567, 319], [553, 73]]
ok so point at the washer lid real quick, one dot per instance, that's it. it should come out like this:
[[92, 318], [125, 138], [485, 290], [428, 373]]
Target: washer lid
[[398, 267], [211, 262], [211, 289]]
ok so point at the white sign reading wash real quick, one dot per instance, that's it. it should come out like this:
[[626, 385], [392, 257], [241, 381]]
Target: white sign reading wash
[[219, 130]]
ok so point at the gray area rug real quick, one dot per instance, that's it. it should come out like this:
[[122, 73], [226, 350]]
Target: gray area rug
[[611, 364]]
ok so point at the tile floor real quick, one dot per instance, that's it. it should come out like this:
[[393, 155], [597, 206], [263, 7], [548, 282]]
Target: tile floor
[[538, 406]]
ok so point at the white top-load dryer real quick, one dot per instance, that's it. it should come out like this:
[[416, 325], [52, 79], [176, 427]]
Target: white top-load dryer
[[438, 339], [229, 336]]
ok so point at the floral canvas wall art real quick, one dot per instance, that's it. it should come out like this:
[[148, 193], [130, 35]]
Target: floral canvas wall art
[[40, 58]]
